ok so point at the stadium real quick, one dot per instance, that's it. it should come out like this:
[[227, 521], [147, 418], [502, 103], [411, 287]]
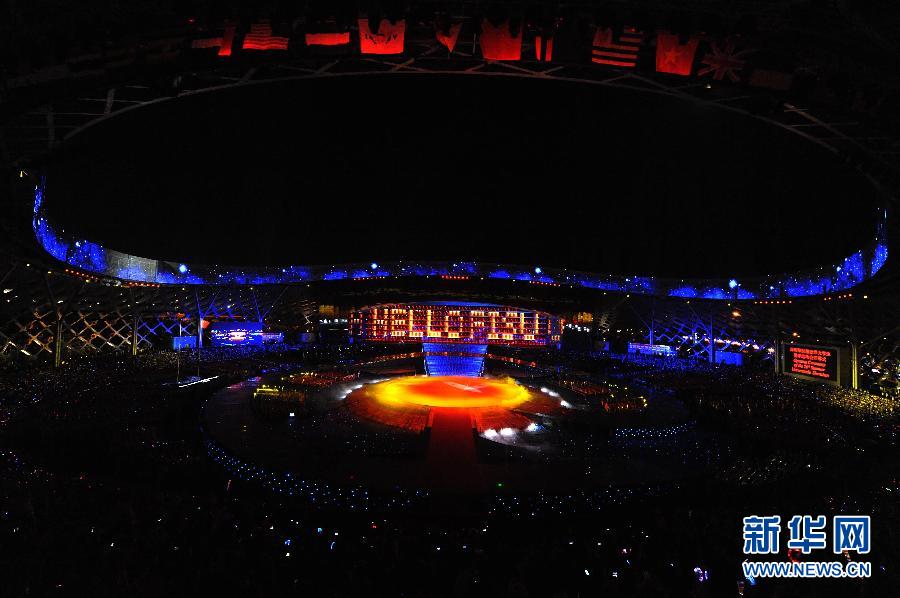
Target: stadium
[[449, 299]]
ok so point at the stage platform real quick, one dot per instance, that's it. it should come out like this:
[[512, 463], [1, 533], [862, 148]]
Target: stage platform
[[343, 437]]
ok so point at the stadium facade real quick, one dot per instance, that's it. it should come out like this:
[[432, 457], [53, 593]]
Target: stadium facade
[[65, 295]]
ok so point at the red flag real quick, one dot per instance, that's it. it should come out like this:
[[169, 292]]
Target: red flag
[[498, 43], [611, 51], [674, 57], [260, 38], [724, 61], [222, 43], [208, 42], [227, 41], [448, 40], [327, 39], [543, 48], [387, 40]]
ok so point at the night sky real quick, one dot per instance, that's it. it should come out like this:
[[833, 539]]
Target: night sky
[[458, 167]]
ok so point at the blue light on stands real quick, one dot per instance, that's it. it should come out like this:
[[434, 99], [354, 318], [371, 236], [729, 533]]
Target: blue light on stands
[[94, 258]]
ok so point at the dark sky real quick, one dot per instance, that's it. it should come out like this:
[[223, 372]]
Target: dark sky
[[458, 167]]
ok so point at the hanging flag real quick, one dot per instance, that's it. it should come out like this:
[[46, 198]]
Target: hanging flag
[[208, 42], [448, 37], [611, 51], [227, 40], [388, 39], [673, 57], [327, 39], [724, 61], [498, 43], [543, 48], [222, 43], [260, 38]]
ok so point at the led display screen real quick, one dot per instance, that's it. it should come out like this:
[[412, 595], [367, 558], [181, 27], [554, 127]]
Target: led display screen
[[234, 334], [457, 322], [810, 361], [646, 349], [184, 342]]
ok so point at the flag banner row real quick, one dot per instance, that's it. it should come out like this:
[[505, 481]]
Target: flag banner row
[[730, 59]]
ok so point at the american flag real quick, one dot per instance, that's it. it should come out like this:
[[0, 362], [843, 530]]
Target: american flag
[[260, 38], [621, 51]]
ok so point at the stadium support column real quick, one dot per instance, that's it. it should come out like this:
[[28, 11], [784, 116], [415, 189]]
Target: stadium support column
[[712, 340], [58, 332], [58, 340], [199, 321], [778, 354], [135, 322], [854, 365]]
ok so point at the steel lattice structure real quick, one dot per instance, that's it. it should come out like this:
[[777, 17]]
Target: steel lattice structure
[[50, 314]]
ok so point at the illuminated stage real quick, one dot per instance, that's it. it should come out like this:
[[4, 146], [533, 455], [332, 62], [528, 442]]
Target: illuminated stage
[[449, 391], [490, 403], [454, 435]]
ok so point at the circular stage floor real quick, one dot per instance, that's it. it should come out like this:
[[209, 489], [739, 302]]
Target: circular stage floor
[[417, 432]]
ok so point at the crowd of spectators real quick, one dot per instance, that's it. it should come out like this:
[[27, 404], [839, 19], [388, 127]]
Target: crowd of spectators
[[135, 506]]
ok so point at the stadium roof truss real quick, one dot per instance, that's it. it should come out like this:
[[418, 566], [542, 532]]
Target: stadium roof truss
[[54, 314]]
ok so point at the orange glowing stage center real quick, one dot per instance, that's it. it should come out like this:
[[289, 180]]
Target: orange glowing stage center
[[450, 391]]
